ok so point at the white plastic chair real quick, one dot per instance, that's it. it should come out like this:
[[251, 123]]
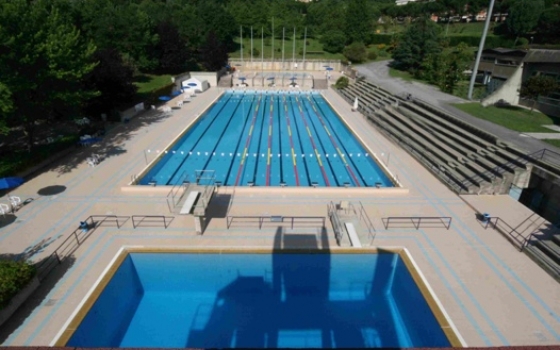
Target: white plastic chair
[[15, 201], [180, 104], [5, 209]]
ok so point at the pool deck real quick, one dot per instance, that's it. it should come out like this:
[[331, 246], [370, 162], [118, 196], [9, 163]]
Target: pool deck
[[495, 295]]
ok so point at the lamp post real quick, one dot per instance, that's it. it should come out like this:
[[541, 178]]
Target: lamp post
[[480, 48]]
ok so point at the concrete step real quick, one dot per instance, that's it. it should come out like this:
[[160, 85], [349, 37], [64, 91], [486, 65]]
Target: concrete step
[[544, 261], [550, 248]]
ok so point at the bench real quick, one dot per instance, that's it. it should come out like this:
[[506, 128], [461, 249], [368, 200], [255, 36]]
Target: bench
[[189, 203], [354, 240]]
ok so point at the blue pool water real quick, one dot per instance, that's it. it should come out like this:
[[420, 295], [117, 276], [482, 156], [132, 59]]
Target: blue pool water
[[260, 300], [269, 139]]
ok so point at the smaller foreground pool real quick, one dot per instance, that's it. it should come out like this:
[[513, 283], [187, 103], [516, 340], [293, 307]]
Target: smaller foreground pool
[[204, 300]]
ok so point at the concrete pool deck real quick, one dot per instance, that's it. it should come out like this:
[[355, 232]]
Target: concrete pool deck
[[495, 295]]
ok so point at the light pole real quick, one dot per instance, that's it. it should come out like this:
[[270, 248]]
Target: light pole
[[480, 48]]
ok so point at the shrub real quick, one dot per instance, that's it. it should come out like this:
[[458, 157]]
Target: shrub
[[372, 55], [14, 275], [256, 52], [333, 41], [381, 47], [355, 52], [381, 39], [383, 53], [341, 83]]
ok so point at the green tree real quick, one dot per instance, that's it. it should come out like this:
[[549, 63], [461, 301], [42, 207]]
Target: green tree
[[355, 52], [523, 16], [341, 83], [446, 68], [333, 41], [358, 21], [539, 85], [43, 62], [171, 49], [549, 24], [419, 40], [6, 107], [114, 81], [213, 54]]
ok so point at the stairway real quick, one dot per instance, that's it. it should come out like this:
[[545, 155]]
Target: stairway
[[546, 253]]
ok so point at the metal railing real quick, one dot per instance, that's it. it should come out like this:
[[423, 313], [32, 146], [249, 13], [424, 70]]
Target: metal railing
[[418, 220], [177, 192], [276, 219], [74, 241], [138, 220], [365, 220], [514, 236], [335, 221]]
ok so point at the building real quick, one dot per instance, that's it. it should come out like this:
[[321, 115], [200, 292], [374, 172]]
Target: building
[[504, 71]]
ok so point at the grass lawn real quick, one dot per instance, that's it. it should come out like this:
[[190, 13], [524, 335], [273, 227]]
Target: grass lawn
[[555, 143], [402, 74], [514, 118], [147, 82]]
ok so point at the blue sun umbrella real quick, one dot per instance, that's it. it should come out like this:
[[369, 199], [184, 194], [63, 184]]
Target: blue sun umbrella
[[293, 78], [10, 182], [164, 98], [326, 66], [270, 78], [192, 84], [242, 78], [330, 68]]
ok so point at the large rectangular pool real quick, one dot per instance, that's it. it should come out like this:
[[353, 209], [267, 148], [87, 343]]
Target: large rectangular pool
[[266, 300], [269, 138]]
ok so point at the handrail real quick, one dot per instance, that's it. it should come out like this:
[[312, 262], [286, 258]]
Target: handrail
[[142, 219], [72, 243], [417, 220], [272, 218], [518, 238], [337, 226], [372, 232], [172, 194]]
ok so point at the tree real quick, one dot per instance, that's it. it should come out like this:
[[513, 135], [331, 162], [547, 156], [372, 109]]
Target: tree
[[333, 41], [213, 54], [523, 16], [43, 61], [358, 21], [171, 49], [549, 24], [539, 85], [112, 79], [6, 108], [419, 40], [341, 83], [355, 52], [446, 68]]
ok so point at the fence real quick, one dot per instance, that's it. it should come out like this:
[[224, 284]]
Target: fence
[[74, 241], [277, 219], [138, 220], [418, 220], [515, 237]]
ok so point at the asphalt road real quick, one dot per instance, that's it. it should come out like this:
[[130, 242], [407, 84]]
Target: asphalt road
[[378, 73]]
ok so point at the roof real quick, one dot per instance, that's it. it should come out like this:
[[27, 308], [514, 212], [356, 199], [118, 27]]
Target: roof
[[544, 56], [504, 51]]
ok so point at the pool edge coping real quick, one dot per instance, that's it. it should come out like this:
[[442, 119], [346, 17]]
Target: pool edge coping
[[76, 318]]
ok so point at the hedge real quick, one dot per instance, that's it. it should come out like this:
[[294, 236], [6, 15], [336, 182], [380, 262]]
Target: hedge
[[12, 163], [14, 276]]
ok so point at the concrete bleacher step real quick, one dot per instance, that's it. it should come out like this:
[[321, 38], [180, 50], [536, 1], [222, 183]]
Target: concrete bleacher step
[[461, 137], [550, 248], [556, 238], [439, 149], [491, 141], [543, 260], [435, 162]]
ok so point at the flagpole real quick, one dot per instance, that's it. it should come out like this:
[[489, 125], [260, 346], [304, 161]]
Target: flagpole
[[480, 48], [273, 41], [304, 47], [251, 47], [241, 35], [262, 52], [294, 50], [283, 34]]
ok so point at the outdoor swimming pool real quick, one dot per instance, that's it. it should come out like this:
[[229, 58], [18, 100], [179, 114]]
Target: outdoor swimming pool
[[272, 138], [260, 300]]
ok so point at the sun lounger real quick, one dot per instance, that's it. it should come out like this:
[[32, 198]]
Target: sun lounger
[[5, 209], [15, 201]]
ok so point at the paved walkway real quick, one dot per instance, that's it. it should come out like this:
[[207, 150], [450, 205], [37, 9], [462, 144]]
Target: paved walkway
[[494, 294], [378, 72]]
